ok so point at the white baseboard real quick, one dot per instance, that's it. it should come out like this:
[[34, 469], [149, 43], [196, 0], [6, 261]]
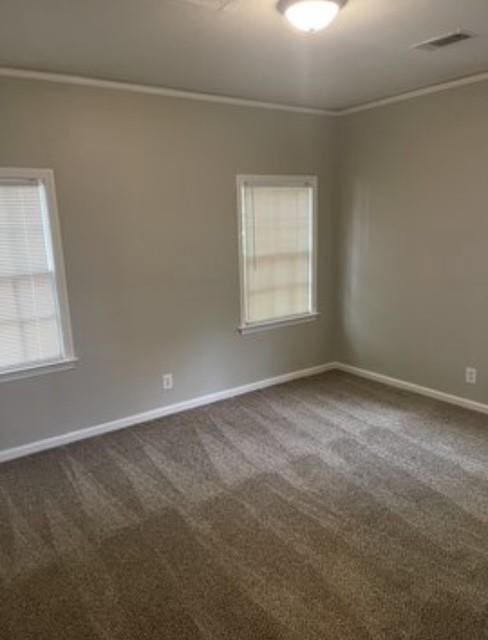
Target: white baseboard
[[415, 388], [159, 412]]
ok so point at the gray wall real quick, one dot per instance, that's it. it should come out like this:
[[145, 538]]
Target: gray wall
[[414, 240], [147, 202], [146, 190]]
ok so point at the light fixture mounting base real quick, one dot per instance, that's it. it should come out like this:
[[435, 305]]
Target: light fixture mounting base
[[283, 5]]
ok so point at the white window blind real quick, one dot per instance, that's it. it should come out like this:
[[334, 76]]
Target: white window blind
[[277, 248], [34, 327]]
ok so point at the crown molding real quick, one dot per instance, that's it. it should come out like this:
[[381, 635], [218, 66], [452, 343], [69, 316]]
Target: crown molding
[[416, 93], [27, 74]]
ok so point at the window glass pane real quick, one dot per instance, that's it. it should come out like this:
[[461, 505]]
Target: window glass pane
[[11, 344], [277, 251], [30, 323], [22, 236], [41, 339]]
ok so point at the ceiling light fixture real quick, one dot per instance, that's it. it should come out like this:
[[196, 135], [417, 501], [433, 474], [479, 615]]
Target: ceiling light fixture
[[310, 15]]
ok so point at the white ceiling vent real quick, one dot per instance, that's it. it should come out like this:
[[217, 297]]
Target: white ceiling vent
[[445, 40], [212, 5]]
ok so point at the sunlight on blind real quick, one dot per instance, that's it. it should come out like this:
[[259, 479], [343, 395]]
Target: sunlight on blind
[[30, 327], [277, 251]]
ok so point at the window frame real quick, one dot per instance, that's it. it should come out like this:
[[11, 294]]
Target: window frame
[[54, 240], [274, 181]]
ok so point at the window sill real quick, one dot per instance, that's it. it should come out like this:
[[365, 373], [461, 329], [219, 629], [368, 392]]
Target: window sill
[[282, 322], [37, 369]]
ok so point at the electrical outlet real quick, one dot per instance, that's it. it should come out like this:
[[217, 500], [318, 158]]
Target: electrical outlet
[[167, 381], [471, 375]]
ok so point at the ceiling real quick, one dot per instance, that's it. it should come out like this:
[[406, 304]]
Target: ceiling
[[244, 48]]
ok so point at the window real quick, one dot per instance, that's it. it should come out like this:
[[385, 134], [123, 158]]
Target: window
[[277, 218], [35, 332]]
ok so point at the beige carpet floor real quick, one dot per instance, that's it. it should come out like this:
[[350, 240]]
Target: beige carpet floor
[[327, 508]]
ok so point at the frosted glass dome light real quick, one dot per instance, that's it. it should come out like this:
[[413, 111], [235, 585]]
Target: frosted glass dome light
[[310, 15]]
